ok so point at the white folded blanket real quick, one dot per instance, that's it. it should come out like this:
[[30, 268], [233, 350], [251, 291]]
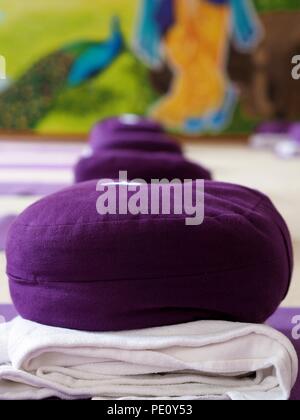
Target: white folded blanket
[[200, 360]]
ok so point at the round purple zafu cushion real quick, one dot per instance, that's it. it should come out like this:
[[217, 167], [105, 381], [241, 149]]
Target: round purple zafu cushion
[[144, 143], [294, 132], [147, 166], [273, 127], [125, 123], [70, 267], [132, 133]]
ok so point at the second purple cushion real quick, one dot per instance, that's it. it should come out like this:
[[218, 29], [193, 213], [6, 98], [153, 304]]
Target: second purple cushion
[[131, 132], [148, 166]]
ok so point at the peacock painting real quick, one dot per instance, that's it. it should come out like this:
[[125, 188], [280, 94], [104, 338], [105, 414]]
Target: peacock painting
[[26, 102]]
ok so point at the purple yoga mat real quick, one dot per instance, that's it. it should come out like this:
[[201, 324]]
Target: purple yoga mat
[[36, 169], [7, 312], [294, 132], [5, 223], [32, 188], [282, 321]]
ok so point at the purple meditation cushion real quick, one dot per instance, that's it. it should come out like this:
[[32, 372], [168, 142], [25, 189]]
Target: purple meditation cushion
[[273, 127], [108, 164], [70, 267], [131, 132], [294, 132]]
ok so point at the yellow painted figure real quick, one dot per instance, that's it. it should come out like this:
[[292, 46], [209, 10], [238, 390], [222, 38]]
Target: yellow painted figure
[[196, 47]]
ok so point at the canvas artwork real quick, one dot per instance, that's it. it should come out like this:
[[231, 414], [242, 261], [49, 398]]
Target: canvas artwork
[[197, 66]]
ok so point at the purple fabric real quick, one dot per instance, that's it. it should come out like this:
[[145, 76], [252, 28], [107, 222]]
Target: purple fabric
[[36, 166], [5, 223], [281, 321], [273, 127], [33, 161], [124, 124], [132, 133], [294, 132], [165, 16], [108, 164], [30, 188], [145, 142], [70, 267], [8, 312]]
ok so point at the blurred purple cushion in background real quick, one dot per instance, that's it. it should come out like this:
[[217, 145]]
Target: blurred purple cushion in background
[[294, 132], [131, 132], [142, 165], [273, 127]]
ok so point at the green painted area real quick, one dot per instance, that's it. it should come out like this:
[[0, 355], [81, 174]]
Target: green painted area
[[271, 5], [31, 29], [122, 89]]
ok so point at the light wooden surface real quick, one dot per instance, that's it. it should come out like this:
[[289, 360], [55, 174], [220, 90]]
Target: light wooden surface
[[238, 164]]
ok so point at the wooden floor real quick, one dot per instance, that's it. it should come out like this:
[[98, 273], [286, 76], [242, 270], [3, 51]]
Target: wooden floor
[[235, 162]]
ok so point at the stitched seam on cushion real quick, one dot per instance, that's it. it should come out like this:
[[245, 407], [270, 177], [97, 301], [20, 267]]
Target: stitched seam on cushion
[[162, 278], [156, 218]]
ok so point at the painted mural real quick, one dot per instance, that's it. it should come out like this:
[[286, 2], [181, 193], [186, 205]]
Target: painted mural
[[197, 66]]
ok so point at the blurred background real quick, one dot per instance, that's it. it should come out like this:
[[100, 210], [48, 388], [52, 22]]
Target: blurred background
[[218, 74], [243, 72]]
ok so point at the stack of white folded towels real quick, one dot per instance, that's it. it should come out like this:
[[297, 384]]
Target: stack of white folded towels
[[201, 360]]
